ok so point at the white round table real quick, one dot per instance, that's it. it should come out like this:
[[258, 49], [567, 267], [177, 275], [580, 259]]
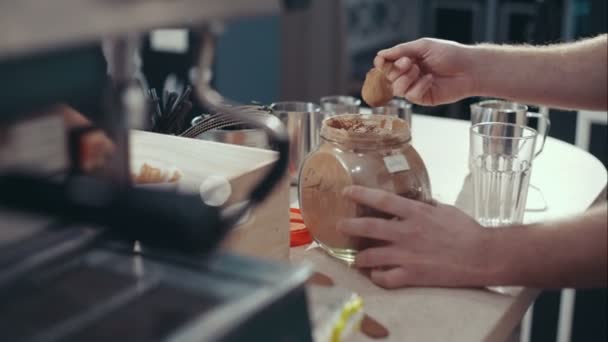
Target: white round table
[[569, 179]]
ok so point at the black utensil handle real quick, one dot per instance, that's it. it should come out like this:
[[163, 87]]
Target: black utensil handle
[[178, 117], [170, 102], [181, 98]]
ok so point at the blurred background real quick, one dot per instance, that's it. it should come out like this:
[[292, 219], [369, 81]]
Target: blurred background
[[329, 48]]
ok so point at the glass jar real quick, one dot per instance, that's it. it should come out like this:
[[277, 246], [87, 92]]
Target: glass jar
[[368, 150]]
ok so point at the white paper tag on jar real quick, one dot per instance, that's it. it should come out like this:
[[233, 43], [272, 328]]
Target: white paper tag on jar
[[396, 163]]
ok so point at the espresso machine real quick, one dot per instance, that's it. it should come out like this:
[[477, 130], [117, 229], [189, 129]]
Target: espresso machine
[[68, 269]]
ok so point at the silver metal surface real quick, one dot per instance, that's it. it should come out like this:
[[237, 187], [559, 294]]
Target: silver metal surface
[[220, 128], [396, 107], [499, 111], [31, 25], [340, 104], [208, 122], [118, 112], [252, 137], [510, 112], [303, 121]]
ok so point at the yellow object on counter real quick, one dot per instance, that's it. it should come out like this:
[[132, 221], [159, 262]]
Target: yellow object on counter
[[351, 315], [334, 312]]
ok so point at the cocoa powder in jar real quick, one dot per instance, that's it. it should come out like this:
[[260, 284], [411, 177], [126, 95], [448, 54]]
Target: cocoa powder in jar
[[368, 150]]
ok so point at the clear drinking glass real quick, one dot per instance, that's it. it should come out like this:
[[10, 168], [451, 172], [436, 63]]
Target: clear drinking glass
[[339, 104], [500, 160], [515, 113]]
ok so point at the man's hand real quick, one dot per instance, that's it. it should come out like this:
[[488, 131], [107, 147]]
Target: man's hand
[[427, 245], [430, 71]]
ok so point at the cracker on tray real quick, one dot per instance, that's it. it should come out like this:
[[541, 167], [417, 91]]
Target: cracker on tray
[[149, 174]]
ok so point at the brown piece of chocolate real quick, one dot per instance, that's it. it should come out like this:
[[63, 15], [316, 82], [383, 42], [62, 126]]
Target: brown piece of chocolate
[[377, 90], [372, 328], [320, 279]]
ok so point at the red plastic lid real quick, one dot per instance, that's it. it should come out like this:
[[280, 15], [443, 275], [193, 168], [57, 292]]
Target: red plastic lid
[[298, 232]]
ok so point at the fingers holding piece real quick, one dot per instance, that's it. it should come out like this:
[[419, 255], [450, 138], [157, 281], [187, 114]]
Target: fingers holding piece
[[385, 66], [419, 90], [403, 83], [379, 62], [414, 49], [400, 67]]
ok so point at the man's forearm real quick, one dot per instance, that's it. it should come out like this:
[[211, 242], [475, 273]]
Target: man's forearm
[[551, 255], [565, 76]]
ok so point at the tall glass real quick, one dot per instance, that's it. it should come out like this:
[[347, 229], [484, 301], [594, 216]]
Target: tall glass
[[500, 160], [515, 113], [339, 104]]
